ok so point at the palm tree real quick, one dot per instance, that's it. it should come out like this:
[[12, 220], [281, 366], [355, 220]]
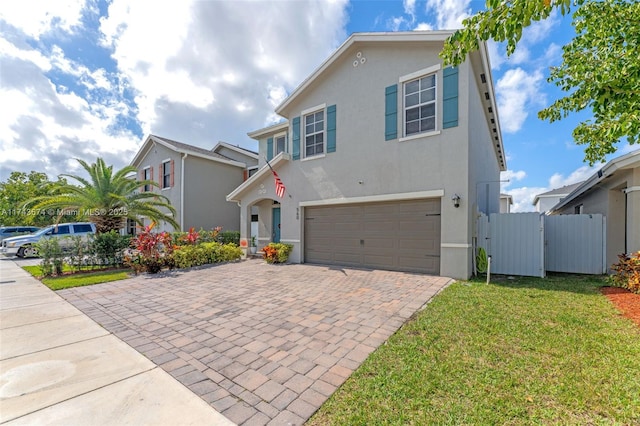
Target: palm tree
[[107, 198]]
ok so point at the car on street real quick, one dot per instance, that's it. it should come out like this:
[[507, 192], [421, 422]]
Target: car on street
[[13, 231], [24, 245]]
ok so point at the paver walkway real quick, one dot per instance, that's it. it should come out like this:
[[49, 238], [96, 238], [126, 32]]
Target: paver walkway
[[263, 344]]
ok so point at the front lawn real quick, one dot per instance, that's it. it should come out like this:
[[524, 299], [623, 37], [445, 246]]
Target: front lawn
[[521, 351], [78, 279]]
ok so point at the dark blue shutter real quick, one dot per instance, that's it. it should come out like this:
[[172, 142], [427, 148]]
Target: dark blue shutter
[[391, 112], [269, 149], [331, 128], [295, 128], [450, 97]]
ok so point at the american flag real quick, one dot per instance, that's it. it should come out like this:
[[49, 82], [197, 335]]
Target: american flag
[[279, 185]]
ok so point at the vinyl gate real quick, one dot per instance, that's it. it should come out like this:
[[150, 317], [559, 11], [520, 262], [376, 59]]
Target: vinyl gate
[[531, 244]]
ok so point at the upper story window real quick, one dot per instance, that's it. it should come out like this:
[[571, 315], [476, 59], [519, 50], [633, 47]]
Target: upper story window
[[280, 144], [166, 174], [146, 175], [314, 133], [420, 105]]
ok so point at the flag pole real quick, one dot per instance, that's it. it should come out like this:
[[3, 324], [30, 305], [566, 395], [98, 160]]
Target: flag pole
[[278, 180]]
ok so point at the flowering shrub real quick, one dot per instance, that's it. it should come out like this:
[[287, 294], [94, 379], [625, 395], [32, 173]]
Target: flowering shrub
[[626, 273], [276, 252], [192, 237], [152, 251]]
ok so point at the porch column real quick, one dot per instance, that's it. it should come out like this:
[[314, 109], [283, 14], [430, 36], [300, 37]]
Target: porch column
[[245, 229]]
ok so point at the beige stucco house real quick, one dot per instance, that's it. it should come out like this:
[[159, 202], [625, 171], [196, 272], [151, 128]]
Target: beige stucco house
[[196, 180], [386, 155], [614, 191]]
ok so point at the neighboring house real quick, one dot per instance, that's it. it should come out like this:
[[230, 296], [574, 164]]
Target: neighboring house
[[196, 180], [545, 201], [386, 156], [506, 201], [614, 191]]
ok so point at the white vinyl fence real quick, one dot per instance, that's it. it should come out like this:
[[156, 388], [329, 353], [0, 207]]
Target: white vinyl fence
[[531, 244], [576, 243]]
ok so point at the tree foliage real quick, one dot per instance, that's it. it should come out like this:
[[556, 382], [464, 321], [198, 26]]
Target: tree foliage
[[600, 68], [19, 188], [107, 198]]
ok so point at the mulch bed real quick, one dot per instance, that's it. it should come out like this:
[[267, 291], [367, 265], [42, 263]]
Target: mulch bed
[[627, 302]]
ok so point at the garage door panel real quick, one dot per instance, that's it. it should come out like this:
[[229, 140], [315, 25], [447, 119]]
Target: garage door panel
[[395, 235]]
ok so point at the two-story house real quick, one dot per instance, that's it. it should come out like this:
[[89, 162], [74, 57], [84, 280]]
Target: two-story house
[[387, 156], [195, 180]]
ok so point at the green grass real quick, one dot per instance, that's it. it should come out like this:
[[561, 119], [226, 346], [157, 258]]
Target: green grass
[[517, 352], [78, 279]]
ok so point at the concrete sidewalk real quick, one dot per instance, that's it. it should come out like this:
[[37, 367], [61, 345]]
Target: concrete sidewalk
[[57, 366]]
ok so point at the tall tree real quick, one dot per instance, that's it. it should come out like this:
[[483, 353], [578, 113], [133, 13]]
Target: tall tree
[[19, 188], [600, 67], [108, 198]]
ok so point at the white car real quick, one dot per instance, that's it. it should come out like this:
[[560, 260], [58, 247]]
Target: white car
[[23, 246]]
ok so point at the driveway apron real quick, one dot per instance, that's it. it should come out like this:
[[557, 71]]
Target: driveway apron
[[263, 344]]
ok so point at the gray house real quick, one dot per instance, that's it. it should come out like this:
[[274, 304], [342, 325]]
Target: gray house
[[196, 180], [545, 201], [614, 192], [386, 156]]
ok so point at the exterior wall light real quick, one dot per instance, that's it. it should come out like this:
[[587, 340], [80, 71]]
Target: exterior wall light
[[455, 200]]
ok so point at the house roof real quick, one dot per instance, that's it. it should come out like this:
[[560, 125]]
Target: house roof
[[481, 55], [236, 148], [407, 36], [507, 197], [182, 148], [239, 192], [256, 134], [558, 192], [627, 161]]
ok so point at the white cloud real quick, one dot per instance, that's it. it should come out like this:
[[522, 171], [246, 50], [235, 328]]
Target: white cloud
[[194, 71], [540, 30], [523, 198], [517, 92], [409, 7], [423, 26], [38, 17], [212, 54], [511, 176], [449, 13], [557, 180]]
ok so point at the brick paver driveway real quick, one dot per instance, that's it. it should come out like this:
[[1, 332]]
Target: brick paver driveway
[[263, 344]]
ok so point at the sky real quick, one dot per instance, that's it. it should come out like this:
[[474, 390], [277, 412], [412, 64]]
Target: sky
[[93, 78]]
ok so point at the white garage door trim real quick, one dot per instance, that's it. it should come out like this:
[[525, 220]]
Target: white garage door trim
[[434, 193]]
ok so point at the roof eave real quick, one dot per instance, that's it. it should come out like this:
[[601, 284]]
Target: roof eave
[[246, 152], [363, 37], [256, 134], [236, 194]]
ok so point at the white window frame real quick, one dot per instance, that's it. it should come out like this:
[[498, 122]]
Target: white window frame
[[167, 161], [275, 143], [303, 132], [145, 172], [415, 76]]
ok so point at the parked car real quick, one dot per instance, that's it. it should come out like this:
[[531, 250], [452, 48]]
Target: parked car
[[23, 246], [12, 231]]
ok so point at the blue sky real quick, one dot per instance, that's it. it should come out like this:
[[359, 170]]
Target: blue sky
[[89, 78]]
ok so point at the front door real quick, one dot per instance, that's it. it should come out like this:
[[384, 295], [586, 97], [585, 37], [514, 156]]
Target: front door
[[275, 233]]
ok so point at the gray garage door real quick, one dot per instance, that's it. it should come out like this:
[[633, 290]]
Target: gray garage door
[[403, 236]]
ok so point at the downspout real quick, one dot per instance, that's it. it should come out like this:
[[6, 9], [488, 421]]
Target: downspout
[[184, 156]]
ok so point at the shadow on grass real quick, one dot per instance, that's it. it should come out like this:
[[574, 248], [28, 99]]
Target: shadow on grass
[[575, 283]]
